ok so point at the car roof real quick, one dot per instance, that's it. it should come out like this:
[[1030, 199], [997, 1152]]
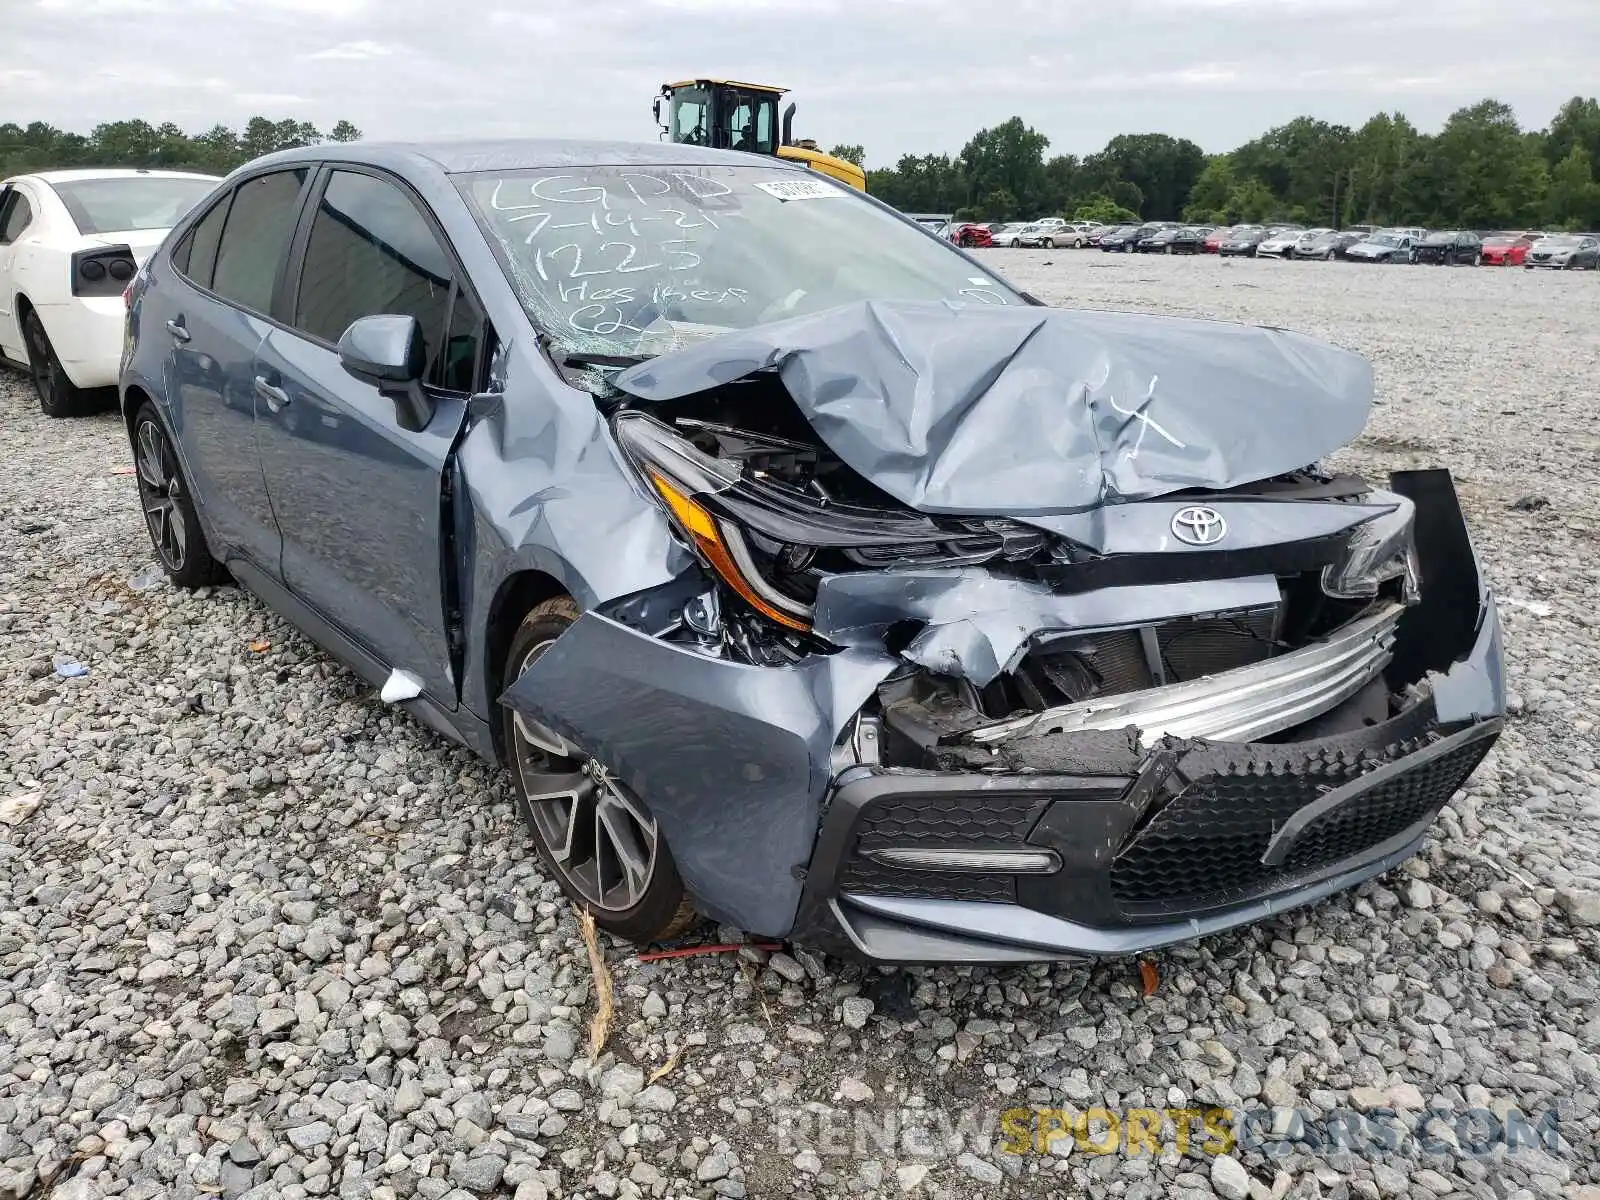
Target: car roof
[[457, 156], [82, 173]]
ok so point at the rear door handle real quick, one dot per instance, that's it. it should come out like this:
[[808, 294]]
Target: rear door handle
[[177, 330], [274, 395]]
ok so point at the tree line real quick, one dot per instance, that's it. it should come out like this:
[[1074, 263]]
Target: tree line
[[41, 147], [1480, 171]]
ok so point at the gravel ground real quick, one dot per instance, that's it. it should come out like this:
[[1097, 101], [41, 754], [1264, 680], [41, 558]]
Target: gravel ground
[[261, 937]]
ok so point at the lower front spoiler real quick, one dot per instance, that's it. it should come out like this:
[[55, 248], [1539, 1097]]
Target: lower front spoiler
[[1200, 838], [906, 930]]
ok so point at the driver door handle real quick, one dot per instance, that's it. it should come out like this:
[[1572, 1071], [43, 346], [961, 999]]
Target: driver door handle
[[177, 330], [274, 395]]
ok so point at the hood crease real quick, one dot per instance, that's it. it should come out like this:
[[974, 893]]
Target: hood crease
[[1032, 411]]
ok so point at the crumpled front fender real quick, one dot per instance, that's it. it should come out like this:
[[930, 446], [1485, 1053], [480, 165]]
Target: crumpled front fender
[[731, 759]]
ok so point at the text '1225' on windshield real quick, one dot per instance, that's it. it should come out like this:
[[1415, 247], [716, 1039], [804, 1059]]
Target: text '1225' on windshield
[[617, 260], [613, 254]]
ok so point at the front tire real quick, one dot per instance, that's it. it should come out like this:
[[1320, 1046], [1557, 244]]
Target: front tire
[[58, 395], [597, 839], [169, 513]]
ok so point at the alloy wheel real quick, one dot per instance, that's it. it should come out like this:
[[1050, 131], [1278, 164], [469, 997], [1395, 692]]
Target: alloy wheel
[[597, 833], [160, 489]]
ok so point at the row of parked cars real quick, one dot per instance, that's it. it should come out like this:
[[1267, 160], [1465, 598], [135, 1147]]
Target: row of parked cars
[[1046, 233], [1358, 243]]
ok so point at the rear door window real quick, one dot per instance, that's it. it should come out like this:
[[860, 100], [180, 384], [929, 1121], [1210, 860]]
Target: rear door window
[[15, 215], [256, 237]]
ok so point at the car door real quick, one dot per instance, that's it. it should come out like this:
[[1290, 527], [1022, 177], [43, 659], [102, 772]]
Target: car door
[[213, 317], [358, 497], [16, 214]]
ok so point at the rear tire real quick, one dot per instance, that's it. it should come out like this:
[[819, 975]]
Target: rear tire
[[169, 513], [58, 395], [594, 835]]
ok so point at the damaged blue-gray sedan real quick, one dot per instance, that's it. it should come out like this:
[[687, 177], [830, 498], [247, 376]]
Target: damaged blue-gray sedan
[[803, 572]]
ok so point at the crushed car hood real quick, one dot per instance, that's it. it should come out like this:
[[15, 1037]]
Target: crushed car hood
[[1019, 411]]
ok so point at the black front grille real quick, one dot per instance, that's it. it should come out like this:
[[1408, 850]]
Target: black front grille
[[1388, 809], [958, 821], [1203, 848]]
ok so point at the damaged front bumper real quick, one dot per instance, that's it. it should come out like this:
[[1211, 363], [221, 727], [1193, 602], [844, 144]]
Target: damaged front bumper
[[1105, 827], [1133, 850]]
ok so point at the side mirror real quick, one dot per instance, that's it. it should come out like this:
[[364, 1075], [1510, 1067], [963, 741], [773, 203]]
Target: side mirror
[[388, 352]]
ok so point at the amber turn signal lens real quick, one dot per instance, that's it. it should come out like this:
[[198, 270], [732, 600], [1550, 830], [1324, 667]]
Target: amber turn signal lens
[[702, 526]]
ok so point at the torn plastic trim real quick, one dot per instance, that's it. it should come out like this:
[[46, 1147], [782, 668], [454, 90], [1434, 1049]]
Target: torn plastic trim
[[979, 624], [1244, 704], [732, 760]]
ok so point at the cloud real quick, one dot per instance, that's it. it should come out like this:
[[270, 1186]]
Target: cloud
[[353, 52], [899, 76]]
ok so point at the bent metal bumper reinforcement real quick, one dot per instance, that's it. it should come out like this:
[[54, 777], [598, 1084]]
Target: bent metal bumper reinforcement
[[1239, 705]]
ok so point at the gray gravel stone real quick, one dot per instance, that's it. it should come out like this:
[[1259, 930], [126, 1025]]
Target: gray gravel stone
[[566, 1100], [479, 1172], [244, 1153], [977, 1168], [1229, 1178], [714, 1166], [308, 1137], [857, 1010]]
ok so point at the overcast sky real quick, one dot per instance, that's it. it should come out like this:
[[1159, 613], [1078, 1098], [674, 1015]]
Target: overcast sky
[[899, 76]]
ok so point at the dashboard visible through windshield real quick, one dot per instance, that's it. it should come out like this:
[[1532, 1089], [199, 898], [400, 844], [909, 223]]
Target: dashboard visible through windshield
[[639, 260]]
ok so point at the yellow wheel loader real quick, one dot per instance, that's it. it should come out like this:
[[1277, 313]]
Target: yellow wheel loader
[[729, 115]]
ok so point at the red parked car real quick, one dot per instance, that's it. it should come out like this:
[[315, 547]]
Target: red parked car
[[970, 235], [1504, 250], [1214, 239]]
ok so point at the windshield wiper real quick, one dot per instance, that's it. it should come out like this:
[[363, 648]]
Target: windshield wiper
[[582, 358]]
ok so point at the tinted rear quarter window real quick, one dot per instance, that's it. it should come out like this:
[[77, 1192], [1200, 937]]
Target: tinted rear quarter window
[[196, 255], [371, 251], [256, 237]]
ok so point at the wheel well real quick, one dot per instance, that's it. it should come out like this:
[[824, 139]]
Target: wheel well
[[22, 306], [132, 400], [514, 598]]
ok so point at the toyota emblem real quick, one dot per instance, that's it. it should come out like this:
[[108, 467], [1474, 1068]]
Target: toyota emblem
[[1199, 526]]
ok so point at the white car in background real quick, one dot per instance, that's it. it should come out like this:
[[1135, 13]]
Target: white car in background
[[70, 244], [1066, 233], [1021, 233], [1280, 244]]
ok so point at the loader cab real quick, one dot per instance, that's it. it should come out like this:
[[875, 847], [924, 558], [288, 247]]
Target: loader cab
[[721, 114]]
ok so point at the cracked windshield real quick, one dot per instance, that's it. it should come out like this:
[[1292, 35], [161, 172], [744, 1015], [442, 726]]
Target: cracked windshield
[[627, 262]]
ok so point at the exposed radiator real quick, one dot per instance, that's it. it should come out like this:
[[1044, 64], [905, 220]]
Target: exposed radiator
[[1066, 671]]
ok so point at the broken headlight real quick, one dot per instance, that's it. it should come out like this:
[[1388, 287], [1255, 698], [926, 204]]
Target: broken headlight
[[1383, 549], [765, 539]]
